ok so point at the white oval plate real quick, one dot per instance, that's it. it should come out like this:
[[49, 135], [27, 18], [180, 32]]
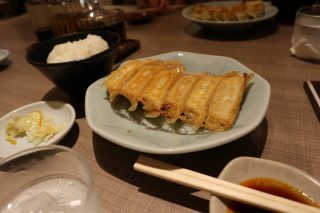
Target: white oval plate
[[61, 113], [244, 168], [3, 55], [270, 12], [134, 131]]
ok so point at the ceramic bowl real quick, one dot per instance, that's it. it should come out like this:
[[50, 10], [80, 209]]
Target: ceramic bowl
[[62, 114], [244, 168], [74, 77]]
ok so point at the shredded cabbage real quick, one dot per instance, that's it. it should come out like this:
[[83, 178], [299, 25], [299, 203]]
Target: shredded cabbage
[[34, 126]]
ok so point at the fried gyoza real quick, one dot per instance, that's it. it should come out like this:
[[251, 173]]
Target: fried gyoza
[[163, 88], [155, 92], [177, 97], [225, 101], [116, 80], [135, 86], [195, 109]]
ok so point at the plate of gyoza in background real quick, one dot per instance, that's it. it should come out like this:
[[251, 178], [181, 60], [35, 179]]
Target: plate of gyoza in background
[[132, 129], [226, 15]]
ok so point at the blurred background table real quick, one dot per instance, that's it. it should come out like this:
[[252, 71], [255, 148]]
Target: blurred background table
[[289, 133]]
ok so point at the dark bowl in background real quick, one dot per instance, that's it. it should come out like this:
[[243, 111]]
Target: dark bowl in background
[[76, 76]]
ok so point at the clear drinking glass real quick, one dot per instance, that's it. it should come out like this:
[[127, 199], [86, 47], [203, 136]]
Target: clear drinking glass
[[64, 15], [38, 13], [47, 179], [306, 35]]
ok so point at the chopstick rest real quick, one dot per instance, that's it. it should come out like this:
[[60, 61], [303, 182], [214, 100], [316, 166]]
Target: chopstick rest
[[312, 89], [220, 187]]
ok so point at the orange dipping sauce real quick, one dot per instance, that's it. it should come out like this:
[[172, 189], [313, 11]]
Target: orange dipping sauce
[[274, 187]]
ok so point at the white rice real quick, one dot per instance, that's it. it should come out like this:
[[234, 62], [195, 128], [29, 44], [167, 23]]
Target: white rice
[[77, 50]]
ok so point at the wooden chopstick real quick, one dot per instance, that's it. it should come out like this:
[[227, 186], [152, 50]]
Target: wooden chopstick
[[220, 187], [312, 89]]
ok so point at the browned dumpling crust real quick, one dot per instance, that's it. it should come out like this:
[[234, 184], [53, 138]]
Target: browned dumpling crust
[[244, 10], [165, 88]]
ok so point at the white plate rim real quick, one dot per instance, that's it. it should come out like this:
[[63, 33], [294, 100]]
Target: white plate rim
[[271, 11], [187, 149], [4, 54], [56, 138]]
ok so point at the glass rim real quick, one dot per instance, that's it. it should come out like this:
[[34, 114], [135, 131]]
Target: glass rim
[[309, 11], [40, 148]]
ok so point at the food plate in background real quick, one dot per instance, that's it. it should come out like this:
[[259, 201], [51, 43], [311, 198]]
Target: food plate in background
[[270, 12], [115, 123], [62, 114], [244, 168]]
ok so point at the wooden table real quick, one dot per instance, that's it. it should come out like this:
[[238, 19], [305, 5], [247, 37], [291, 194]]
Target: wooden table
[[290, 132]]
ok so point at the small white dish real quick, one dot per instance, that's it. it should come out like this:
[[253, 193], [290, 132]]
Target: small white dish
[[244, 168], [4, 54], [61, 113], [270, 12], [132, 130]]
